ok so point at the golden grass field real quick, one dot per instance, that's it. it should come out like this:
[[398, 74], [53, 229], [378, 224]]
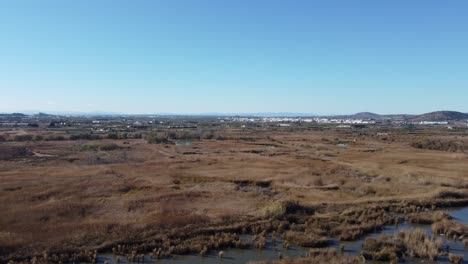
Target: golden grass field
[[58, 196]]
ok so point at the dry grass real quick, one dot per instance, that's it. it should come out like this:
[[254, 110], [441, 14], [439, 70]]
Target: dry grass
[[450, 229], [414, 243], [455, 258], [135, 192], [427, 218], [306, 239]]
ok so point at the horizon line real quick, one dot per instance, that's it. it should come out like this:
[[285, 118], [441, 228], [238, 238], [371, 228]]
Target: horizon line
[[220, 114]]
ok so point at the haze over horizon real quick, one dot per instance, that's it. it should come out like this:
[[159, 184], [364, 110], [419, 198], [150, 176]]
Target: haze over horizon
[[146, 57]]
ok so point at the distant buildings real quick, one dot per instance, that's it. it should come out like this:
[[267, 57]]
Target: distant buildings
[[14, 124], [434, 123], [286, 121], [340, 122]]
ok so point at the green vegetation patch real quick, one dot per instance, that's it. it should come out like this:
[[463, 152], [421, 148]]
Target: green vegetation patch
[[98, 147]]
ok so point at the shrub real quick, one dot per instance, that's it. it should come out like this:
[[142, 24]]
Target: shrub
[[440, 144], [449, 228], [279, 209], [113, 136], [415, 243], [427, 219], [209, 135], [157, 138], [85, 137], [108, 147], [450, 195], [55, 138], [89, 147], [318, 182], [306, 239], [13, 152], [23, 138], [101, 147], [274, 211]]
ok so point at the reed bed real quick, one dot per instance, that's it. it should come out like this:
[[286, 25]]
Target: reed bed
[[414, 243]]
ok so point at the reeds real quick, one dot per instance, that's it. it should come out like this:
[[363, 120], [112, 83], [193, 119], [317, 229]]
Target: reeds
[[451, 229], [455, 258], [306, 239], [414, 243], [427, 218]]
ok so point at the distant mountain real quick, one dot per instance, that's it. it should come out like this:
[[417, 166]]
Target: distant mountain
[[366, 115], [43, 115], [433, 116], [361, 115], [441, 116], [13, 115]]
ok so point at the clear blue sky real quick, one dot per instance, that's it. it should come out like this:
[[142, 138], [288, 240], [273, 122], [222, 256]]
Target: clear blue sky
[[198, 56]]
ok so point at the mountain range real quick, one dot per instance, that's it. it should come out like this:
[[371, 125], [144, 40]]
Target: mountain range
[[432, 116]]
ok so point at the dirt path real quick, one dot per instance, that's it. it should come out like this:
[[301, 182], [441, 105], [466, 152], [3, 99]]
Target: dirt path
[[36, 154]]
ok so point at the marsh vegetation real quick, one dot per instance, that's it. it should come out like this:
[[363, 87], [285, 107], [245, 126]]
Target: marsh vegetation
[[232, 187]]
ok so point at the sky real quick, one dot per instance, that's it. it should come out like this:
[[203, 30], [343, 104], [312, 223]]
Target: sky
[[238, 56]]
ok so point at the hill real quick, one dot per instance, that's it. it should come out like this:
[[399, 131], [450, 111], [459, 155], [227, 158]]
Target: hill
[[433, 116], [441, 116], [12, 115], [361, 115], [365, 115]]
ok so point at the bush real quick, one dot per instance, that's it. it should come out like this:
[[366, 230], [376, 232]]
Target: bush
[[306, 239], [318, 182], [38, 138], [108, 147], [101, 147], [157, 138], [275, 211], [113, 136], [185, 134], [440, 144], [23, 138], [89, 147], [85, 137], [13, 152], [450, 195], [55, 138], [209, 135]]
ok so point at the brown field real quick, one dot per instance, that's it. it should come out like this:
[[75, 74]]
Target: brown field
[[73, 195]]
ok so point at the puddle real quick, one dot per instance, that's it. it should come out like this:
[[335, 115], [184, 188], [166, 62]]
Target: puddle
[[183, 143]]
